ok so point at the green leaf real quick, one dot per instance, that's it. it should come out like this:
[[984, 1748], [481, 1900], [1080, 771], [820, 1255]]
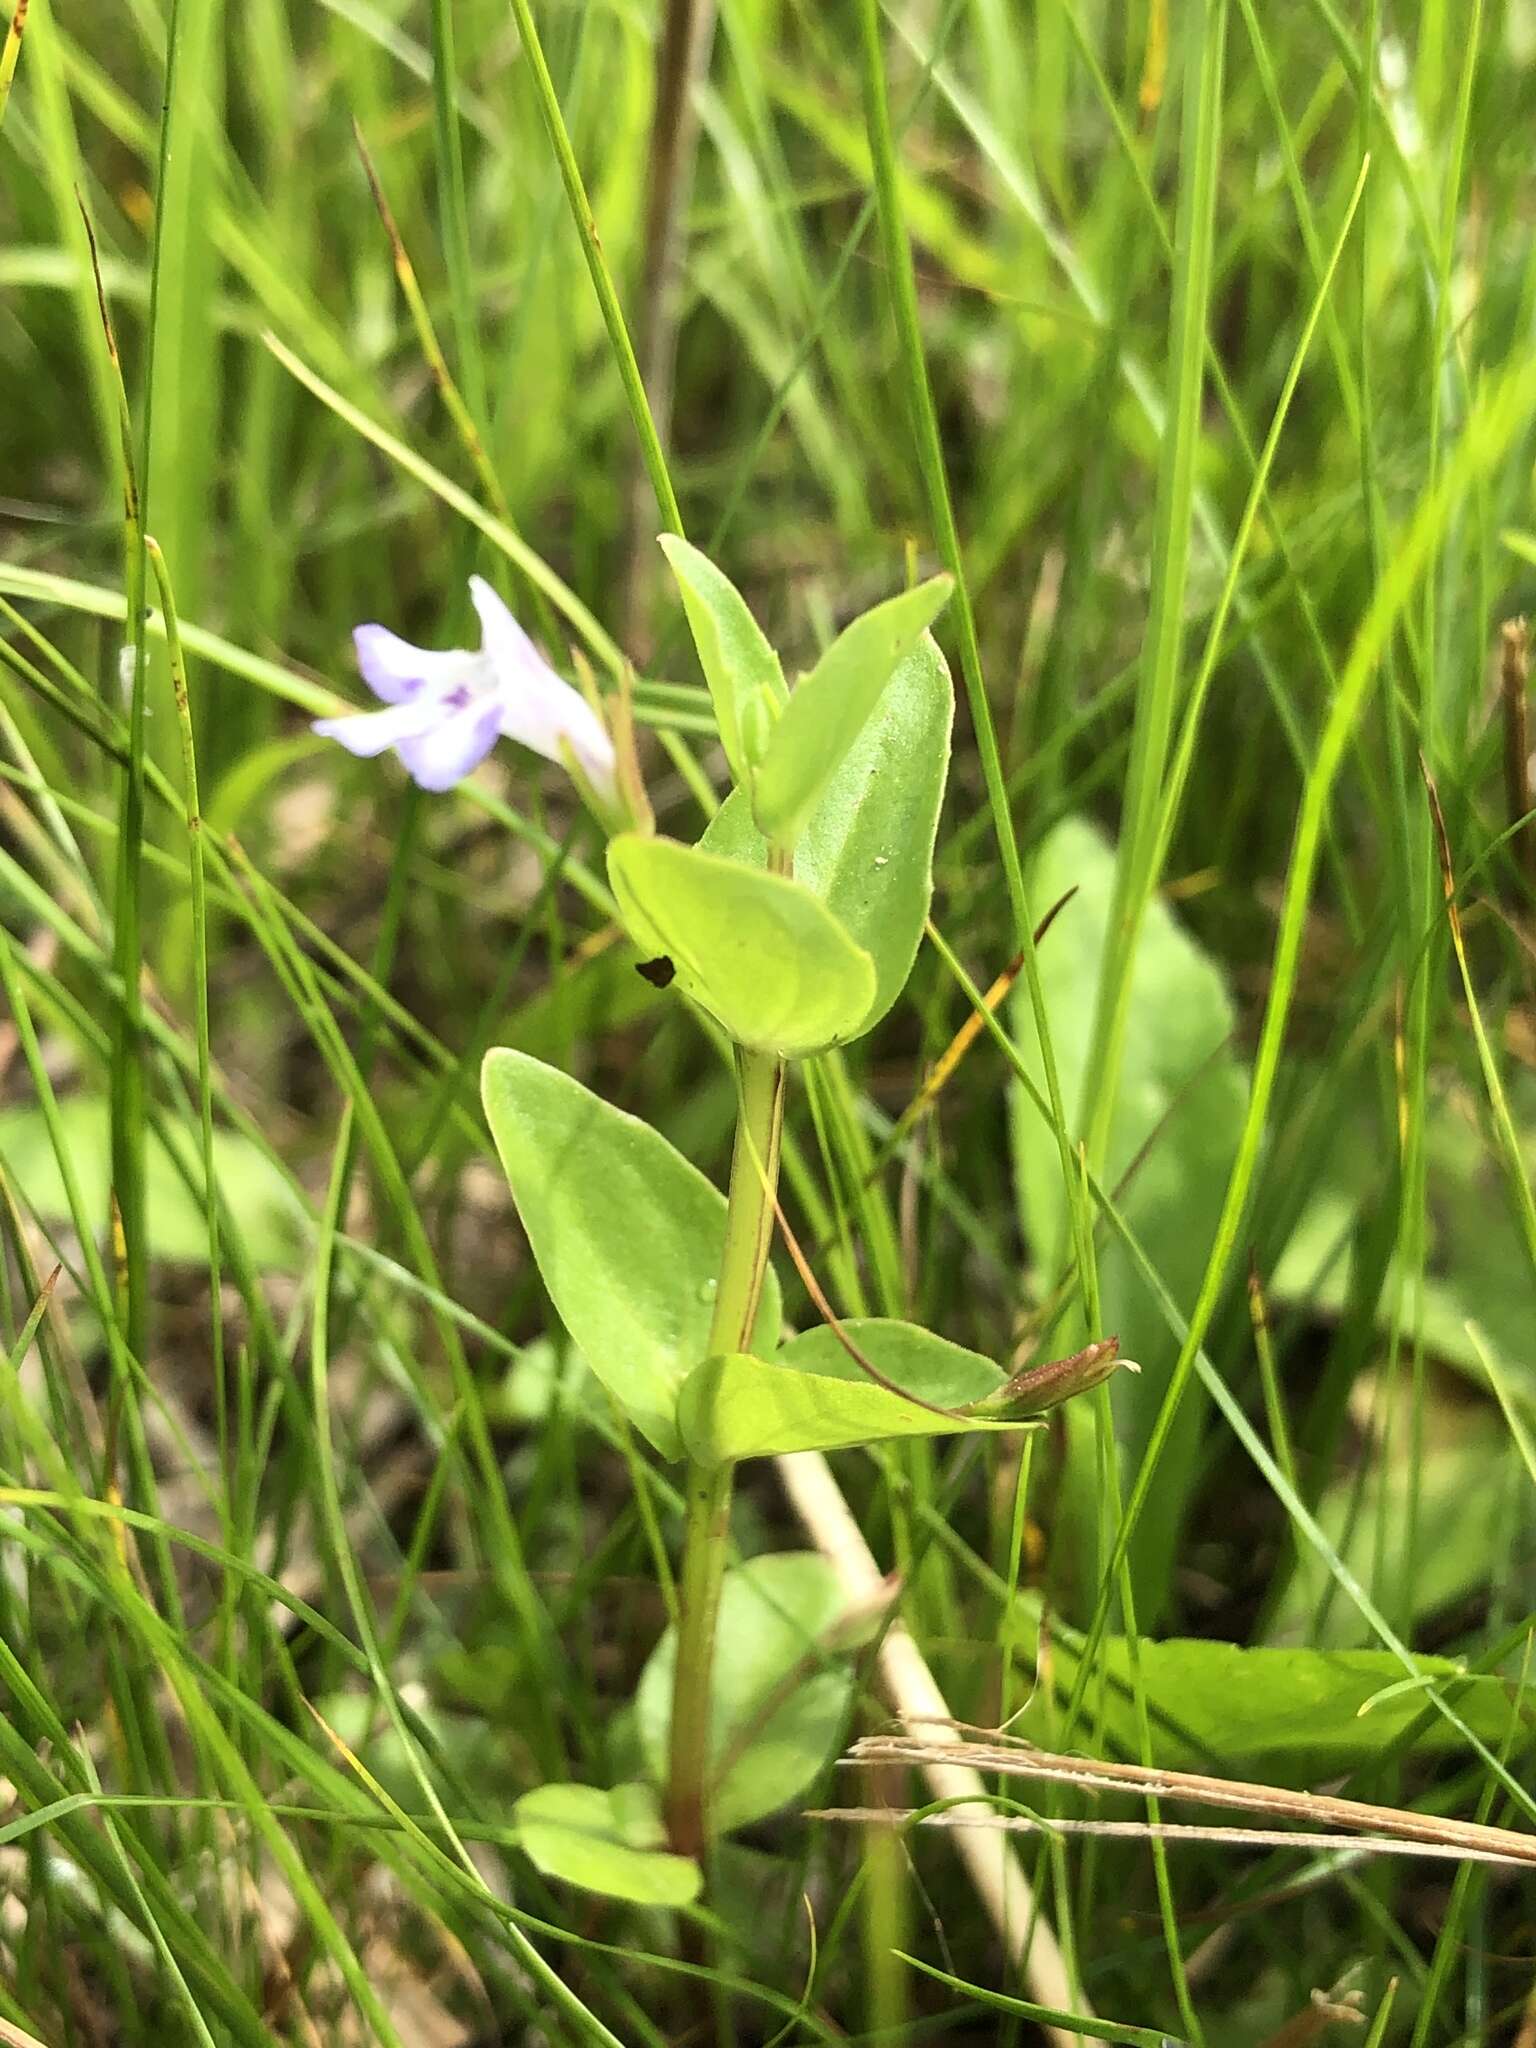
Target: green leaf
[[1475, 1268], [774, 1614], [867, 848], [608, 1842], [1455, 1484], [259, 1199], [814, 1397], [829, 708], [917, 1360], [741, 669], [1291, 1714], [627, 1234], [1178, 1109], [388, 1752], [758, 950]]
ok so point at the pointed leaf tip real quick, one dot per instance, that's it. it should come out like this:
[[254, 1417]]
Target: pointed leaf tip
[[736, 658], [830, 707]]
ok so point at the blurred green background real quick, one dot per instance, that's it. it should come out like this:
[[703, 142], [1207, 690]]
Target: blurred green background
[[1226, 313]]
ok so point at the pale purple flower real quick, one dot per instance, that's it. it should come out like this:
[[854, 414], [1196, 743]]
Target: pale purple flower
[[448, 707]]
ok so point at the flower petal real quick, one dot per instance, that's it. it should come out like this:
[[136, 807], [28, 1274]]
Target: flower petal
[[367, 733], [539, 709], [502, 638], [395, 670], [453, 746]]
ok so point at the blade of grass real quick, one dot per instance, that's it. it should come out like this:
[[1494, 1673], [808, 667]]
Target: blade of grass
[[1177, 774], [495, 530], [503, 1546], [1145, 816], [180, 374], [126, 1083], [10, 52], [682, 63], [1067, 2023], [902, 282], [597, 266], [453, 211], [65, 174], [1499, 417], [1192, 1341]]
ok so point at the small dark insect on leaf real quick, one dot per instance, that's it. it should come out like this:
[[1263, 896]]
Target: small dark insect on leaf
[[658, 972]]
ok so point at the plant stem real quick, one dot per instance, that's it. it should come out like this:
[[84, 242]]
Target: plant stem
[[748, 1233]]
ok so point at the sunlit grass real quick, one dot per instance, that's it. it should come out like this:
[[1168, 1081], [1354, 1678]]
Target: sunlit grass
[[1210, 386]]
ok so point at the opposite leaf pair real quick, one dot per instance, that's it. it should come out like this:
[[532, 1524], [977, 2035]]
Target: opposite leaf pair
[[842, 779], [793, 964], [628, 1237], [778, 1716], [783, 747]]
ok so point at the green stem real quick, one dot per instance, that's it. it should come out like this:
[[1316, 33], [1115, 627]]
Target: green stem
[[748, 1234], [597, 266]]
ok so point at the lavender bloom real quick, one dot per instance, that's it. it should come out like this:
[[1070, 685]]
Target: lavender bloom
[[448, 707]]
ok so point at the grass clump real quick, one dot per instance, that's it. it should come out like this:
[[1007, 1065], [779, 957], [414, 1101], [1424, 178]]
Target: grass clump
[[1189, 343]]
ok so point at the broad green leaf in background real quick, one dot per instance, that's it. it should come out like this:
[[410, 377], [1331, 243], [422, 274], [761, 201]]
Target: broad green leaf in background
[[815, 1397], [1460, 1488], [1314, 1272], [745, 681], [867, 848], [1451, 1473], [1476, 1267], [260, 1200], [1288, 1714], [608, 1842], [627, 1234], [775, 1614], [757, 1892], [467, 1742], [828, 708], [589, 997], [759, 951], [1181, 1096], [546, 1378]]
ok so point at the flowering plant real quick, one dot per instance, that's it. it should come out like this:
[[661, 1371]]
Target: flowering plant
[[793, 924]]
